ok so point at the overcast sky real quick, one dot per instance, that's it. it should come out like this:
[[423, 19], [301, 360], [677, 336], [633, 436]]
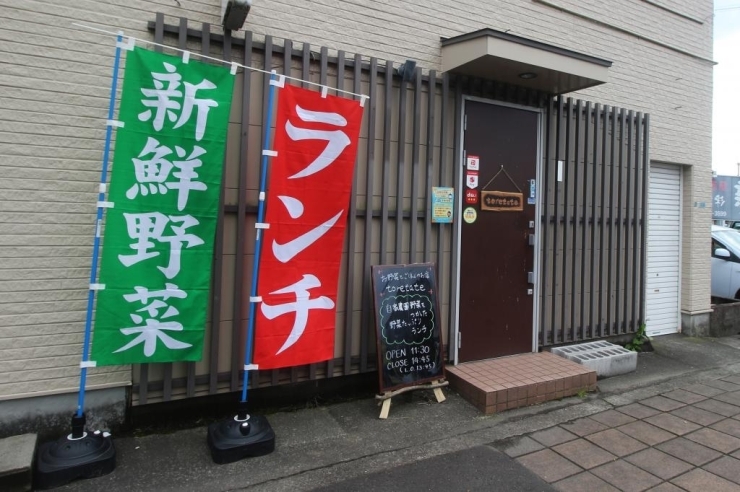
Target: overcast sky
[[726, 120]]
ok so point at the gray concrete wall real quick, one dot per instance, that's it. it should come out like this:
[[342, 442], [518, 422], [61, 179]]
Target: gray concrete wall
[[49, 416], [725, 320]]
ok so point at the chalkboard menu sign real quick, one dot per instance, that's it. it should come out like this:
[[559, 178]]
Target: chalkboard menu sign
[[408, 325]]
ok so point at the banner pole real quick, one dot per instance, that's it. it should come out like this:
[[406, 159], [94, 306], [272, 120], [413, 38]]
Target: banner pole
[[245, 435], [258, 245], [82, 454], [98, 223]]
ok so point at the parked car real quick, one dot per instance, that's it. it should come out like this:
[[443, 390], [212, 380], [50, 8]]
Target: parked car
[[725, 262]]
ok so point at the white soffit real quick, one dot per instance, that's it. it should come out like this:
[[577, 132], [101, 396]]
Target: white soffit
[[495, 55]]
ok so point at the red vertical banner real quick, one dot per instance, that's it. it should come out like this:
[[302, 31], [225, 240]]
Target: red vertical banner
[[307, 202]]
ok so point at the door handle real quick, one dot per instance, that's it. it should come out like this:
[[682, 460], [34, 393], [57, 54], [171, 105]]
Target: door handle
[[530, 277]]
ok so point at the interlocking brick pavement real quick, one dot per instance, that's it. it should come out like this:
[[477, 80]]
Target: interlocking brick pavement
[[689, 451], [626, 476], [638, 411], [672, 423], [726, 467], [716, 440], [697, 415], [659, 463], [584, 482], [549, 465], [718, 407], [702, 481], [646, 433], [687, 439], [728, 426], [519, 446], [662, 403], [612, 418], [666, 487], [553, 436], [704, 390], [684, 396], [586, 454], [616, 442], [585, 426]]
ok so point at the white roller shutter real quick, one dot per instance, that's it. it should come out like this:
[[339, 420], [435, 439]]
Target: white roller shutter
[[664, 250]]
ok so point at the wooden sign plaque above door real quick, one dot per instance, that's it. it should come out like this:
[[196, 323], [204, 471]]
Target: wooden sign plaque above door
[[502, 201]]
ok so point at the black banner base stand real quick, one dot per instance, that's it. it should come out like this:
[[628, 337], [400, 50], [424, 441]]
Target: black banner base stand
[[384, 399], [243, 436], [78, 455]]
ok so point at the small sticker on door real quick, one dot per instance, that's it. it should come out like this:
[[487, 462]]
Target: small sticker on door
[[471, 179], [471, 197], [532, 200], [470, 215], [473, 163]]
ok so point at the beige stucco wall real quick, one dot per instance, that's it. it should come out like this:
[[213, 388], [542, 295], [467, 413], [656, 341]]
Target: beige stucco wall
[[54, 83]]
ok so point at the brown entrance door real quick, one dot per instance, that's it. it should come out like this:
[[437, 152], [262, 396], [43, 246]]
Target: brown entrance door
[[496, 257]]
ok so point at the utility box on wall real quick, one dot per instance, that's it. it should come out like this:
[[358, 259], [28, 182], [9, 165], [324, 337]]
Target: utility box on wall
[[234, 13]]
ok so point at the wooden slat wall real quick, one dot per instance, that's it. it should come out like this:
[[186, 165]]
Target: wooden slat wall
[[408, 144], [594, 222], [389, 216]]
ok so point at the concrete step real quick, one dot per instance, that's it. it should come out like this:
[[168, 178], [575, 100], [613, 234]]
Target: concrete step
[[16, 462], [607, 359]]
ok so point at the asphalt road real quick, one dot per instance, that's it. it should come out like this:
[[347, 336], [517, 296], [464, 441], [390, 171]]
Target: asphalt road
[[479, 468]]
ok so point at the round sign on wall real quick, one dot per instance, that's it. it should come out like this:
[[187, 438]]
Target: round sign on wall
[[469, 215]]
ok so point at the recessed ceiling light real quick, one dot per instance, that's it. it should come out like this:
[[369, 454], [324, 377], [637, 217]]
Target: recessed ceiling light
[[527, 75]]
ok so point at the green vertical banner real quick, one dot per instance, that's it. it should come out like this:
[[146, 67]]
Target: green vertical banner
[[155, 273]]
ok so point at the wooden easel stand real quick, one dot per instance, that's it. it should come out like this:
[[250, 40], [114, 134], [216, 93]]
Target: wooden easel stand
[[384, 399]]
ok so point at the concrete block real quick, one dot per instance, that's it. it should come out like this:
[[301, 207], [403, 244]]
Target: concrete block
[[607, 359], [724, 320], [16, 462], [696, 325]]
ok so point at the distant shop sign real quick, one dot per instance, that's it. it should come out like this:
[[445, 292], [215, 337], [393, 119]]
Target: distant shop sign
[[726, 198]]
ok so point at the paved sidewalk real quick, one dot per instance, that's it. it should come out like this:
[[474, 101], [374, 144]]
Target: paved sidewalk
[[674, 424], [684, 439]]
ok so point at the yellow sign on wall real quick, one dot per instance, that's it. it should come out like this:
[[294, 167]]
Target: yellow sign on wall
[[443, 201]]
